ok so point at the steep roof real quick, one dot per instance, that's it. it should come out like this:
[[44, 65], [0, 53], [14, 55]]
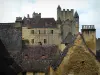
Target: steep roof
[[7, 63], [68, 38], [7, 23], [76, 15], [56, 63], [58, 7], [39, 22], [36, 58]]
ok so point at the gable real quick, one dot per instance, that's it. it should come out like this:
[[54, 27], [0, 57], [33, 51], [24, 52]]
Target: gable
[[79, 59]]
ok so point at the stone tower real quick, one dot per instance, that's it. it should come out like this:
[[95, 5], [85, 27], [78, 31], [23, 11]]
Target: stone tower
[[89, 34], [64, 15], [69, 21]]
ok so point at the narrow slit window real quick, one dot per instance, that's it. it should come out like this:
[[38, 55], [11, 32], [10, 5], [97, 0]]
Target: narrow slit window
[[39, 31], [45, 41], [51, 31]]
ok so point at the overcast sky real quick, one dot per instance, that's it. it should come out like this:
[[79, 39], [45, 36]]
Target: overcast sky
[[89, 10]]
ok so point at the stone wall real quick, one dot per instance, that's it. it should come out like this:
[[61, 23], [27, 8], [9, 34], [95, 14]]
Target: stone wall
[[45, 33], [11, 37], [98, 44]]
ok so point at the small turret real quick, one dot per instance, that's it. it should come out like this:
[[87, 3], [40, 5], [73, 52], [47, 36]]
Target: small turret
[[18, 22], [58, 12], [58, 7], [76, 15], [28, 16], [18, 19]]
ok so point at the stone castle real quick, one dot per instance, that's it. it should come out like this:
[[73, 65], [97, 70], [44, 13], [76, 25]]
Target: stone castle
[[47, 31], [36, 31]]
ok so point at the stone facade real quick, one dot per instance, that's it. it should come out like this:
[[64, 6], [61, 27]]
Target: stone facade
[[49, 30], [44, 30], [42, 35], [77, 60], [98, 44]]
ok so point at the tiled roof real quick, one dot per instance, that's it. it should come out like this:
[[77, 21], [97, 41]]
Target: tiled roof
[[39, 23], [68, 38], [7, 23], [7, 64], [36, 58], [58, 61]]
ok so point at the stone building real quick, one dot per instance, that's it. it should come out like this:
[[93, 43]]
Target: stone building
[[47, 30], [40, 30], [46, 58], [69, 21]]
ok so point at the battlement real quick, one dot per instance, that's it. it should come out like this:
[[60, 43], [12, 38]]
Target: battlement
[[88, 27], [18, 19], [68, 10], [36, 15]]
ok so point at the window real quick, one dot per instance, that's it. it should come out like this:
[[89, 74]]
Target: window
[[23, 73], [39, 31], [44, 31], [32, 41], [45, 41], [32, 31], [26, 41], [51, 31], [40, 43]]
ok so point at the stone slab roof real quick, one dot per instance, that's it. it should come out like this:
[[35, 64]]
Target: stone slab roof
[[68, 38], [56, 63], [39, 23], [7, 63], [36, 58]]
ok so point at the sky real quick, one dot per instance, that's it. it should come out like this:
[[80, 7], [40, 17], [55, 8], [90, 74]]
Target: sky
[[88, 10]]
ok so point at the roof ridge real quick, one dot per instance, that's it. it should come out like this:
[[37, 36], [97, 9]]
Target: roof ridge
[[88, 47], [63, 54]]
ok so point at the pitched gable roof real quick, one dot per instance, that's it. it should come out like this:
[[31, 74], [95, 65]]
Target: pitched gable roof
[[56, 63], [40, 23], [36, 58], [7, 63], [78, 39]]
